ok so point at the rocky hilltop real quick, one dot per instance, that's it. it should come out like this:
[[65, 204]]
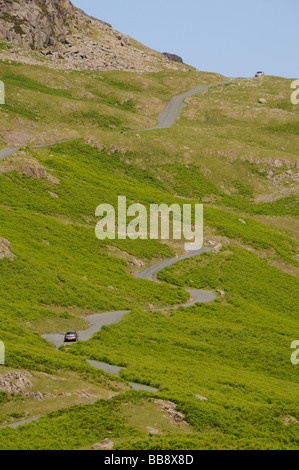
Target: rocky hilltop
[[61, 35], [36, 24], [173, 57]]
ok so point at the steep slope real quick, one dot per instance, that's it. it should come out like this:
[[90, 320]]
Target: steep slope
[[63, 36], [59, 270], [225, 365]]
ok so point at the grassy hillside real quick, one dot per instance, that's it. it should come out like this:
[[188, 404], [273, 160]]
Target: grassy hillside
[[45, 104], [228, 151]]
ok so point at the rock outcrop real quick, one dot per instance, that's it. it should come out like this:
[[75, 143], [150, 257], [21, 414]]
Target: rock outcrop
[[173, 57], [106, 444], [15, 382], [5, 249], [171, 409], [35, 23], [136, 263], [26, 166], [200, 397], [64, 37]]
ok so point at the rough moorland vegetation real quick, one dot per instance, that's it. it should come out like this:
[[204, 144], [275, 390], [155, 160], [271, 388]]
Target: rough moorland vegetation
[[229, 152]]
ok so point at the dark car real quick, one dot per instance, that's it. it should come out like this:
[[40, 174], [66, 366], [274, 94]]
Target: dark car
[[70, 336]]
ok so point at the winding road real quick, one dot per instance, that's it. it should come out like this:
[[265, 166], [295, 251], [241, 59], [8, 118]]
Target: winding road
[[99, 320], [169, 115], [10, 151], [165, 120]]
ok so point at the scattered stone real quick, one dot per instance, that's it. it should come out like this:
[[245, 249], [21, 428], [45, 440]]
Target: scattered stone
[[115, 149], [152, 430], [94, 143], [86, 396], [272, 162], [221, 292], [262, 101], [210, 242], [53, 194], [106, 444], [242, 221], [288, 420], [28, 167], [173, 57], [64, 37], [200, 397], [136, 263], [171, 409], [217, 248], [15, 382]]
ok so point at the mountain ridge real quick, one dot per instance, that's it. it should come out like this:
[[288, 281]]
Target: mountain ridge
[[61, 35]]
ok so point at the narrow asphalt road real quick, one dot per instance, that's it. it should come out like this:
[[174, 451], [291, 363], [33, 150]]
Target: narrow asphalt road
[[151, 273], [10, 151], [99, 320], [169, 116], [165, 120]]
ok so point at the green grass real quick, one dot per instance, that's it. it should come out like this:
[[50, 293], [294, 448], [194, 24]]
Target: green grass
[[289, 128], [100, 99], [61, 390], [234, 351], [86, 425], [23, 82], [5, 46], [53, 273]]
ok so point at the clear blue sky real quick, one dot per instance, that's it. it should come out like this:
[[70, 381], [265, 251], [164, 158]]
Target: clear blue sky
[[232, 37]]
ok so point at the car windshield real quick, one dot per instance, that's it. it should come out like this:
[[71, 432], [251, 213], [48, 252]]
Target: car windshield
[[71, 333]]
